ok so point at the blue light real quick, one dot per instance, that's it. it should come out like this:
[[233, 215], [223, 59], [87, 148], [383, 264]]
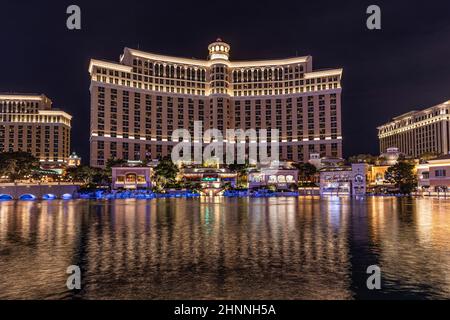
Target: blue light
[[5, 197], [66, 196], [27, 197], [49, 197]]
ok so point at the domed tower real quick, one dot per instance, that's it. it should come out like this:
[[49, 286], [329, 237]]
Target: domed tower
[[218, 116], [219, 50], [219, 53]]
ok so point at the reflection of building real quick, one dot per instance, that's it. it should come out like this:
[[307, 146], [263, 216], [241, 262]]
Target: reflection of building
[[209, 178], [131, 177], [281, 179], [28, 123], [418, 132], [136, 104], [74, 160], [434, 176]]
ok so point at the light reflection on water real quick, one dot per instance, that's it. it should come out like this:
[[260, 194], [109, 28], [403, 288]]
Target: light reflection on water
[[218, 248]]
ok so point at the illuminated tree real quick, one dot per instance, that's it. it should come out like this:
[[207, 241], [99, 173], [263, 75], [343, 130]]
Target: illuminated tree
[[306, 172], [165, 173], [402, 175], [18, 165]]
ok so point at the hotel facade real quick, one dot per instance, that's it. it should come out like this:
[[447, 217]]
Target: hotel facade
[[434, 175], [28, 123], [136, 104], [418, 132]]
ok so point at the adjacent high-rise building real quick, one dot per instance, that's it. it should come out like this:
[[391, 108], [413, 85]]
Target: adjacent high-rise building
[[137, 103], [418, 133], [28, 123]]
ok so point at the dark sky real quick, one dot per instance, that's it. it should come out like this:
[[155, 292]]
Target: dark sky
[[402, 67]]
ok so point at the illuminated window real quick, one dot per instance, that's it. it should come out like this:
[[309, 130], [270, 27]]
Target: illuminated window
[[130, 178], [256, 178]]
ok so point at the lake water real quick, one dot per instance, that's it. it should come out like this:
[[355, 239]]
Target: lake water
[[226, 248]]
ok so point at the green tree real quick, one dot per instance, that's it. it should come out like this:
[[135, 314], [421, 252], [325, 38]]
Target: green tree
[[18, 165], [402, 175], [241, 170], [87, 175], [306, 172], [165, 173]]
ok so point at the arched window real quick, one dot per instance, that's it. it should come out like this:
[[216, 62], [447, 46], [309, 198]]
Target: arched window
[[159, 70], [130, 178], [167, 70]]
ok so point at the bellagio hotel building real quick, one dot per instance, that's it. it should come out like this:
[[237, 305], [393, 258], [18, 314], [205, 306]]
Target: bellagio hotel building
[[137, 103], [28, 123]]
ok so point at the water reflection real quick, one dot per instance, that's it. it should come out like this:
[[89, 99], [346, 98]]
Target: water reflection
[[217, 248]]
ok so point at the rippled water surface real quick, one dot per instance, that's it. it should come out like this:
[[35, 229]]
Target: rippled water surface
[[218, 248]]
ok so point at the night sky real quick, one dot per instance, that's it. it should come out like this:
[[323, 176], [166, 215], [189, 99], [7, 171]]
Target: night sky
[[402, 67]]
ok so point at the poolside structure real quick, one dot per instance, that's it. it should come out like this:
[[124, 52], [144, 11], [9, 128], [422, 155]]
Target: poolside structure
[[279, 179], [211, 180], [131, 177], [434, 175], [38, 191]]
